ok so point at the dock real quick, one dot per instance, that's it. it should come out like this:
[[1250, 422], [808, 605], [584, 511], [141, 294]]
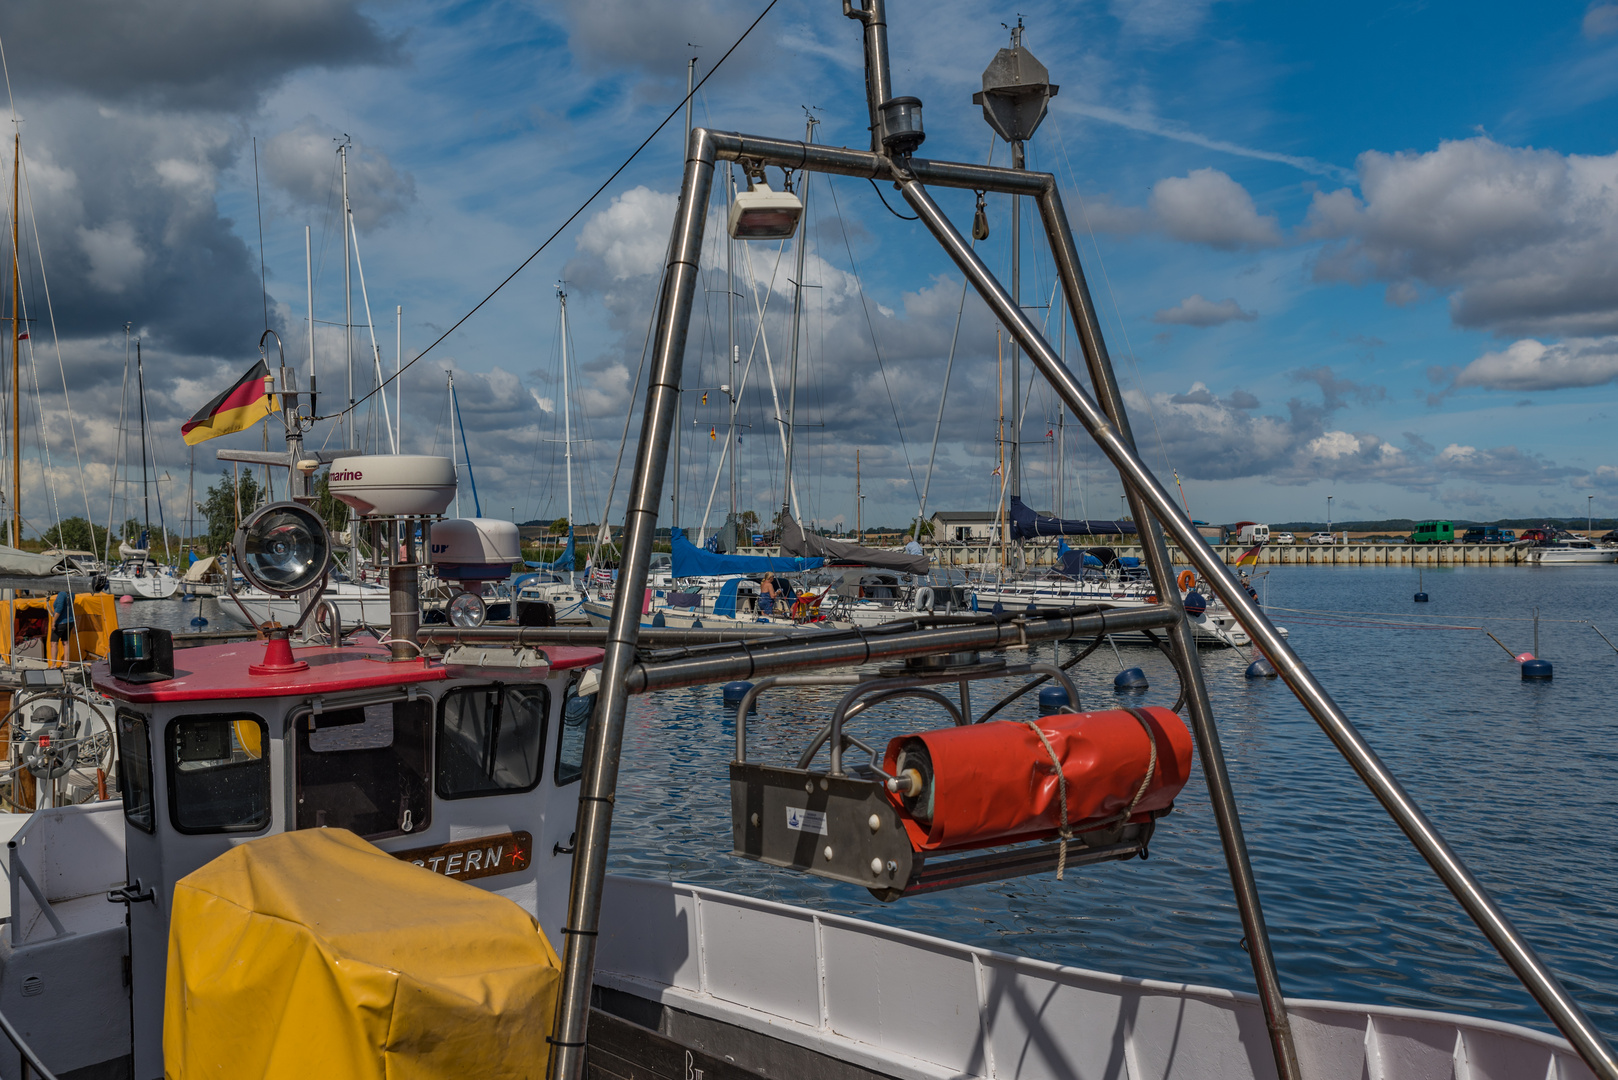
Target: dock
[[1353, 554]]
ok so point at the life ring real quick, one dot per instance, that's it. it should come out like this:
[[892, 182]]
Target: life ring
[[1187, 580], [924, 599]]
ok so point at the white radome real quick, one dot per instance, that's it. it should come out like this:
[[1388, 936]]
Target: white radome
[[386, 485]]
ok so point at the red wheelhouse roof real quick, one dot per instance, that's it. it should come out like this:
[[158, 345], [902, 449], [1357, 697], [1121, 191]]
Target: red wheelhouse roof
[[219, 672]]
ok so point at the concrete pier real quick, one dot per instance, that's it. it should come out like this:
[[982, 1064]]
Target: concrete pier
[[1356, 554]]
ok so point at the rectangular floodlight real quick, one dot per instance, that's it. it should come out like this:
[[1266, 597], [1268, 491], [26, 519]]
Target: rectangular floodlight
[[762, 214]]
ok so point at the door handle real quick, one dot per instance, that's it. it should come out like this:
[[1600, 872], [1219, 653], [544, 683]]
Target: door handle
[[131, 894]]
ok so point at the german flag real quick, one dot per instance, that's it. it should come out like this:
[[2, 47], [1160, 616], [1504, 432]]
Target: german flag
[[237, 409], [1250, 557]]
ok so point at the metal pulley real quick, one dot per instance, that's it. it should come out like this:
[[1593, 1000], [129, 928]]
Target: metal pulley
[[980, 221]]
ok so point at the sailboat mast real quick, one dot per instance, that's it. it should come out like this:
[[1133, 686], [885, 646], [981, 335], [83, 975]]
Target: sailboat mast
[[730, 325], [348, 304], [145, 473], [797, 315], [1061, 419], [16, 342], [454, 454], [567, 419]]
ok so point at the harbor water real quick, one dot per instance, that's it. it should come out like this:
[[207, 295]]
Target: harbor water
[[1519, 776]]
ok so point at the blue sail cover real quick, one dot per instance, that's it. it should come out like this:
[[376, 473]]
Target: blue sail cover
[[1026, 524], [564, 561], [692, 561]]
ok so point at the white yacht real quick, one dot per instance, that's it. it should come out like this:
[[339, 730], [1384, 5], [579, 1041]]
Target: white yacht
[[139, 576], [1567, 549]]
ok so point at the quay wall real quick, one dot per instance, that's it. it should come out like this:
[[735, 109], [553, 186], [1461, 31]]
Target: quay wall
[[1271, 555]]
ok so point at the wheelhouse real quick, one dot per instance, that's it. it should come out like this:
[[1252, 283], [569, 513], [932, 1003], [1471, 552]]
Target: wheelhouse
[[470, 772]]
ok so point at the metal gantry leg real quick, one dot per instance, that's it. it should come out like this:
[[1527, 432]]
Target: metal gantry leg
[[607, 731], [1221, 796], [1517, 953]]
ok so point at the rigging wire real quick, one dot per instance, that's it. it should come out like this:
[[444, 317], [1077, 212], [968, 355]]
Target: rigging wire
[[875, 347], [570, 218], [33, 219], [1123, 329]]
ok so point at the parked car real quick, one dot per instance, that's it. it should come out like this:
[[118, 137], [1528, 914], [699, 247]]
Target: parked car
[[1323, 538], [1487, 535], [1282, 538]]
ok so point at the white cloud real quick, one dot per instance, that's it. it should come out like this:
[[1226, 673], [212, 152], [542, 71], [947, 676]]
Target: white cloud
[[1521, 240], [631, 236], [116, 258], [1600, 20], [1196, 311], [1208, 207], [302, 161], [1532, 365]]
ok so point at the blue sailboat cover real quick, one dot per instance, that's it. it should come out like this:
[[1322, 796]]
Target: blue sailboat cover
[[692, 561], [1025, 523], [564, 561]]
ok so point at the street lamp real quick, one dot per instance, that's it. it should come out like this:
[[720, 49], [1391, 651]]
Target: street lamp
[[1328, 513], [1589, 514]]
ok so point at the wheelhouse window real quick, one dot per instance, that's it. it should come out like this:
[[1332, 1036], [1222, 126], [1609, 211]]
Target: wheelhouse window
[[491, 740], [219, 775], [577, 709], [364, 768], [135, 771]]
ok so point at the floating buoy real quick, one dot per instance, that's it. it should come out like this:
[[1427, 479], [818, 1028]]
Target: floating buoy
[[199, 621], [1261, 669], [1195, 602], [1421, 598], [1536, 669], [187, 598], [126, 599], [1187, 580], [1130, 679], [733, 692], [1053, 700]]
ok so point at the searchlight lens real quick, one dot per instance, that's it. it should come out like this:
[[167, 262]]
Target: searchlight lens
[[283, 549], [467, 611]]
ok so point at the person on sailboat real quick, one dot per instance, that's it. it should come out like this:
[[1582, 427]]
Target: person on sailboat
[[769, 591], [912, 545]]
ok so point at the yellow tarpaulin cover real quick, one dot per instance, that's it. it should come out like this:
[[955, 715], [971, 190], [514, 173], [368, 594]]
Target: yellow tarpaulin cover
[[315, 954]]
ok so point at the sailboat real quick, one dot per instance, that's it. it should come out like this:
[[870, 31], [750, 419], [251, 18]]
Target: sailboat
[[136, 574], [556, 582]]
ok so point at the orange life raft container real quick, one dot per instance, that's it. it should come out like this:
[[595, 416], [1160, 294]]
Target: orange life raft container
[[984, 785]]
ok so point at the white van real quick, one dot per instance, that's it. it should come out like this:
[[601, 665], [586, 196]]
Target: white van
[[1253, 534]]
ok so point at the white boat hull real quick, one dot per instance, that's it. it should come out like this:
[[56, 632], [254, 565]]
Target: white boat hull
[[356, 605], [903, 1004], [1553, 556], [156, 583]]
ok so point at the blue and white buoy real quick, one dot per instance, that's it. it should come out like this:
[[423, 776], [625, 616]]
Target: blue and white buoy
[[1053, 700], [198, 620], [733, 692], [1536, 669], [1130, 679], [1261, 669]]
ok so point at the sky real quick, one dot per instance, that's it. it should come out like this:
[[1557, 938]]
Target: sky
[[1361, 253]]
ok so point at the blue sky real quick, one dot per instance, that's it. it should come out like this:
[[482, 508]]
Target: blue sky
[[1364, 255]]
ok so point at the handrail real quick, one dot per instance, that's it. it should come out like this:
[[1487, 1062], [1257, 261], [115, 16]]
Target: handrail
[[30, 1059]]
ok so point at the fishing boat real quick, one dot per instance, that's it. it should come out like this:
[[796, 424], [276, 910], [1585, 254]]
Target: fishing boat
[[358, 837]]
